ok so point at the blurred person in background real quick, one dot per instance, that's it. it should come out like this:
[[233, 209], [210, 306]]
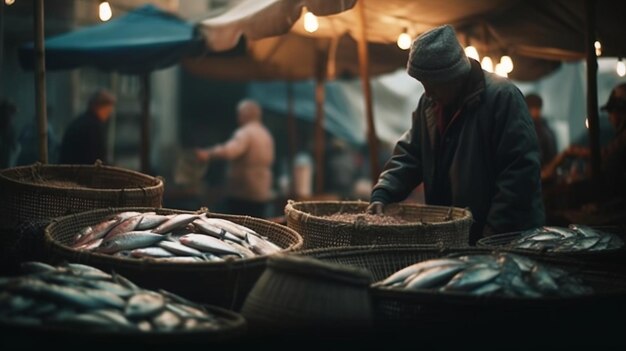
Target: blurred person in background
[[9, 146], [250, 152], [472, 142], [85, 139], [545, 135]]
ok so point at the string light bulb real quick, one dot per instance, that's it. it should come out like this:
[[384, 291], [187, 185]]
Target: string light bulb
[[104, 11], [404, 40], [310, 22], [9, 2], [621, 68], [507, 63], [501, 70], [487, 64], [598, 47], [471, 52]]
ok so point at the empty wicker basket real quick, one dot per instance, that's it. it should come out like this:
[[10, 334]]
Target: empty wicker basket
[[447, 226]]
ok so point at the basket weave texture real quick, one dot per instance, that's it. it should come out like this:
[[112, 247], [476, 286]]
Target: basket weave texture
[[47, 191], [224, 284], [449, 226], [438, 312]]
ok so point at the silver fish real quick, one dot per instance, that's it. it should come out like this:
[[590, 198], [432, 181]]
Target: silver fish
[[130, 240], [144, 304], [261, 245], [36, 267], [228, 226], [434, 276], [154, 252], [125, 215], [149, 221], [404, 273], [116, 317], [179, 249], [176, 222], [90, 246], [98, 231], [472, 278], [86, 271], [166, 321], [208, 243], [125, 226]]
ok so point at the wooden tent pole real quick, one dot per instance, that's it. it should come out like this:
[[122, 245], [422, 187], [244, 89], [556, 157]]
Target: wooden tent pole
[[319, 123], [145, 124], [372, 139], [291, 135], [40, 81], [1, 42], [592, 91]]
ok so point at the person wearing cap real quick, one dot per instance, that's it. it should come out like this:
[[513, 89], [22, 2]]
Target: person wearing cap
[[85, 139], [545, 135], [613, 155], [250, 152], [471, 143]]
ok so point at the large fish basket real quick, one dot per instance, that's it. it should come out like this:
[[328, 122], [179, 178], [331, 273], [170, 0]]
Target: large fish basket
[[233, 327], [448, 226], [431, 315], [614, 257], [40, 192], [225, 284]]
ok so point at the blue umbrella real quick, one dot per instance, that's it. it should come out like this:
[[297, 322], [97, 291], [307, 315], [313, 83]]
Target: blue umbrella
[[141, 41]]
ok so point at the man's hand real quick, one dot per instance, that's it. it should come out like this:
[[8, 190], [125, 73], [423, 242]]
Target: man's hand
[[203, 154], [375, 207]]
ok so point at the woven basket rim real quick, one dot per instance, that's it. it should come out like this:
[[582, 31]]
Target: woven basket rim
[[145, 262], [290, 209], [422, 294], [157, 181], [235, 324]]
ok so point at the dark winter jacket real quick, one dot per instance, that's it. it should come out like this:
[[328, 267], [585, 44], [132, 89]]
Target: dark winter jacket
[[85, 141], [487, 159]]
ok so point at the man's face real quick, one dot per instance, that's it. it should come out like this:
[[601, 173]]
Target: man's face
[[535, 112], [104, 112], [444, 93]]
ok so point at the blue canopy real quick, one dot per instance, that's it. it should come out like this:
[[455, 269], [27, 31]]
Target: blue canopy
[[141, 41]]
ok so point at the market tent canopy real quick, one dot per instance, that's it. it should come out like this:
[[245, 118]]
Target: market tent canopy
[[141, 41]]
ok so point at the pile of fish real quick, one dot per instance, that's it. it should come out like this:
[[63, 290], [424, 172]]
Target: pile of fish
[[175, 238], [574, 238], [494, 274], [76, 295]]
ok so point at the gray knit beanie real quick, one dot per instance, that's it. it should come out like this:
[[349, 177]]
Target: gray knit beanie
[[437, 56]]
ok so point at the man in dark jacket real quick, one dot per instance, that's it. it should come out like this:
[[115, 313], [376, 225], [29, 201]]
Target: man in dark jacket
[[472, 142], [545, 135], [85, 140]]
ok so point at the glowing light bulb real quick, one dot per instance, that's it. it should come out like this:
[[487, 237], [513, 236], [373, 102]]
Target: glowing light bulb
[[9, 2], [310, 22], [507, 63], [587, 123], [471, 51], [404, 40], [104, 11], [501, 70], [621, 68], [487, 64], [598, 47]]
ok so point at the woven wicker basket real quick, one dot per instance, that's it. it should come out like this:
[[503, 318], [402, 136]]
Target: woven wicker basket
[[443, 314], [449, 226], [616, 258], [306, 297], [233, 327], [47, 191], [224, 284]]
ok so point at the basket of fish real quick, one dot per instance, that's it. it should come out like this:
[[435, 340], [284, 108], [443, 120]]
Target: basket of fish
[[86, 304], [448, 291], [345, 223], [576, 241], [41, 192], [206, 257]]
